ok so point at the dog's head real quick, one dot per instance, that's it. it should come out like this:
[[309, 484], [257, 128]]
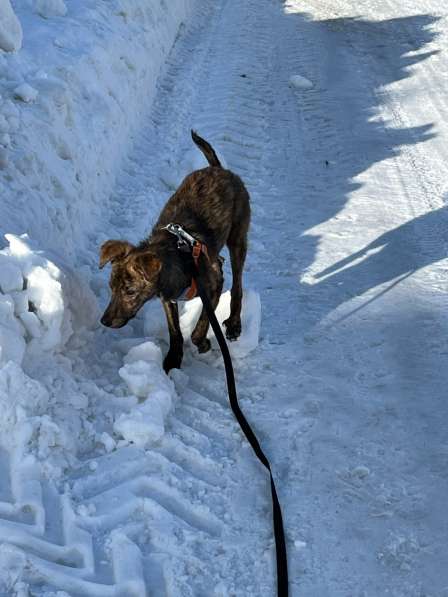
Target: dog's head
[[133, 280]]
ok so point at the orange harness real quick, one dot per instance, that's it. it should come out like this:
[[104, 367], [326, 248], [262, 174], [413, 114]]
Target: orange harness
[[197, 249]]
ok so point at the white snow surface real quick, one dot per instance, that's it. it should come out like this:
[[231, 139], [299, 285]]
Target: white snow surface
[[50, 8], [250, 321], [11, 33], [300, 82], [118, 480]]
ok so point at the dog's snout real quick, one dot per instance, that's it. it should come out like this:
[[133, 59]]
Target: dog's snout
[[111, 319], [105, 320]]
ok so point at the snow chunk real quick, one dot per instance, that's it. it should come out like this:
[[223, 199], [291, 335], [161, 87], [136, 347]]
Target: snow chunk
[[107, 441], [144, 425], [141, 377], [32, 324], [26, 93], [360, 471], [20, 397], [21, 303], [11, 35], [144, 376], [10, 277], [300, 82], [43, 303], [45, 293], [250, 321], [299, 544], [12, 343], [50, 8], [148, 352]]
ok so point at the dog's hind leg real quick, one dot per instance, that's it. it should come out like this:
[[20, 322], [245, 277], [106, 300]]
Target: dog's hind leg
[[175, 353], [237, 244], [213, 286]]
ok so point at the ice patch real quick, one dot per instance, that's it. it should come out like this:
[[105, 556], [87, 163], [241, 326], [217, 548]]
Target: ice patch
[[250, 321], [11, 34], [299, 82]]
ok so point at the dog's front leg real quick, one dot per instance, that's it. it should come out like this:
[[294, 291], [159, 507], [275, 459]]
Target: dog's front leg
[[213, 286], [175, 353]]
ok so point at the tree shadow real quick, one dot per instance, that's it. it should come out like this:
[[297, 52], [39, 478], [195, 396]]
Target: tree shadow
[[377, 376], [390, 258], [360, 59]]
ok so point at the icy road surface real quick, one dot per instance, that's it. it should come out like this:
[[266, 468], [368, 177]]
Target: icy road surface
[[335, 114]]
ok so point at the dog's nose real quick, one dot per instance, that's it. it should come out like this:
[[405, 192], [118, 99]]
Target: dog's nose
[[105, 321]]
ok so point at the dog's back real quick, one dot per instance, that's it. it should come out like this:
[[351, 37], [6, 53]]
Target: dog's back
[[209, 202]]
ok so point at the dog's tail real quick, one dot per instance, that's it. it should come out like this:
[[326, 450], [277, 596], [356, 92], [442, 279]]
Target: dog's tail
[[206, 149]]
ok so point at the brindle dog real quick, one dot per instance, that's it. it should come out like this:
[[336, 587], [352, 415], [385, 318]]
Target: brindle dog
[[212, 205]]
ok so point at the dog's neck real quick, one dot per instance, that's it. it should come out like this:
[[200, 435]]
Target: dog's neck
[[176, 271]]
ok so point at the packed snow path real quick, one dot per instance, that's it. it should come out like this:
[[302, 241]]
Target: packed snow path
[[347, 176]]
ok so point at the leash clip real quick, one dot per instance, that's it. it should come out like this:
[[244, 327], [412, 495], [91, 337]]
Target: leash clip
[[186, 242], [183, 238]]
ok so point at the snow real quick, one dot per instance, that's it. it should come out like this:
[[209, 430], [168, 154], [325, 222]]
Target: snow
[[143, 426], [120, 480], [300, 82], [35, 294], [71, 101], [11, 34], [10, 276], [145, 378], [173, 174], [50, 8], [147, 351], [26, 93], [250, 321]]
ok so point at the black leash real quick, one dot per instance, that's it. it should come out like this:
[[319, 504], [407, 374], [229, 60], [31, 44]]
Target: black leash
[[279, 533], [187, 242]]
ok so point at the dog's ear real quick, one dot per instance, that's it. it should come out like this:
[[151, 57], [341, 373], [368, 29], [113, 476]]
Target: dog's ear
[[114, 249], [147, 264]]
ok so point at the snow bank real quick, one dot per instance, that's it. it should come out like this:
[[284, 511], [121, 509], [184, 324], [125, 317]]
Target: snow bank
[[10, 29], [145, 378], [35, 302], [71, 98], [31, 302], [41, 305]]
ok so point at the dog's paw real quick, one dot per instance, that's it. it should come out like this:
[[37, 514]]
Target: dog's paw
[[172, 361], [203, 345], [233, 329]]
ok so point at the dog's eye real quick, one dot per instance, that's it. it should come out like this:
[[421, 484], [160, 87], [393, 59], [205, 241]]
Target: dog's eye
[[130, 291]]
